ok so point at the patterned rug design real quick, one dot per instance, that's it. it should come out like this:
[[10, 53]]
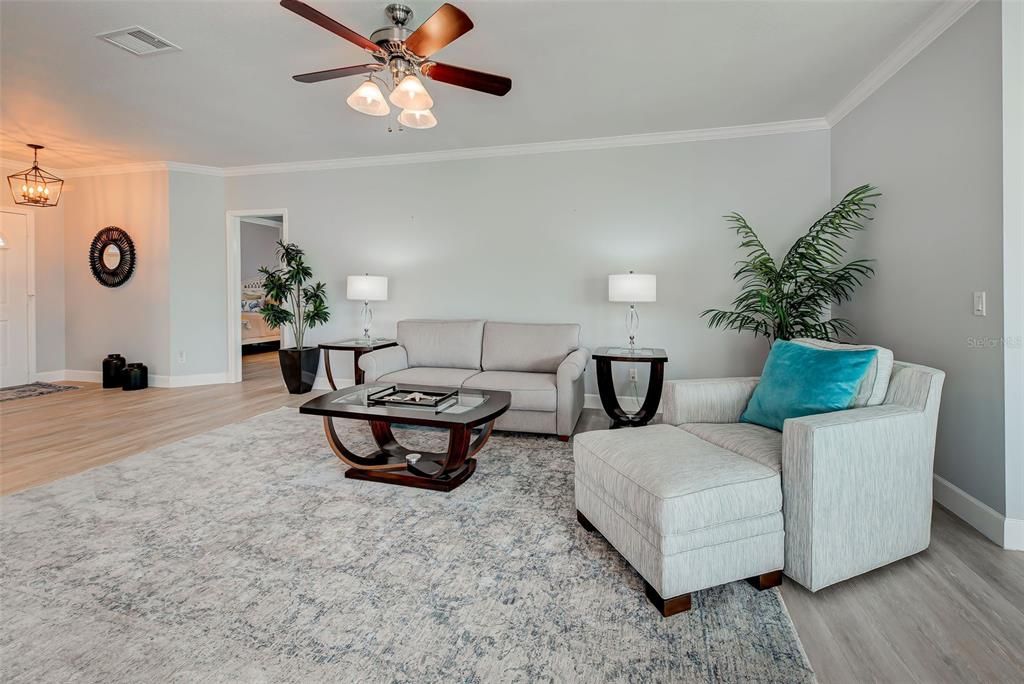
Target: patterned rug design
[[242, 554], [34, 389]]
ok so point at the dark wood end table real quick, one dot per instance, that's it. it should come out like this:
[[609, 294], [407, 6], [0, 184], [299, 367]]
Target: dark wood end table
[[441, 471], [604, 356], [358, 346]]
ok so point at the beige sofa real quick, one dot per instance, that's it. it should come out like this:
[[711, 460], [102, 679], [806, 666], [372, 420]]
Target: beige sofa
[[540, 364]]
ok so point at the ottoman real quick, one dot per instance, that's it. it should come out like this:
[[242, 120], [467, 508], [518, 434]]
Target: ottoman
[[685, 513]]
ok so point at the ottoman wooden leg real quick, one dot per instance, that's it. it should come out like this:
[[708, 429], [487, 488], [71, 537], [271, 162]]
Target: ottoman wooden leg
[[766, 581], [584, 523], [670, 606]]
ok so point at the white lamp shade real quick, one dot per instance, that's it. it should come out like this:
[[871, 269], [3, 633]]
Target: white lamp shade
[[632, 287], [414, 118], [410, 94], [367, 288], [367, 99]]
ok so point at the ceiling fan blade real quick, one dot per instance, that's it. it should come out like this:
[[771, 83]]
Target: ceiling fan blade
[[328, 74], [467, 78], [321, 19], [443, 26]]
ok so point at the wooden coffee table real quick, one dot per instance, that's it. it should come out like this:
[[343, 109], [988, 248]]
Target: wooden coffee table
[[440, 471]]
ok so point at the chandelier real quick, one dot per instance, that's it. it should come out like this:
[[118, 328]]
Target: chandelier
[[34, 186]]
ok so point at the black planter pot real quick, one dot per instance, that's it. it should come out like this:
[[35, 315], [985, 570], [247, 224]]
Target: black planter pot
[[113, 366], [299, 366]]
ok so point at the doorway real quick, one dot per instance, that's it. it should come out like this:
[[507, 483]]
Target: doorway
[[252, 238], [17, 284]]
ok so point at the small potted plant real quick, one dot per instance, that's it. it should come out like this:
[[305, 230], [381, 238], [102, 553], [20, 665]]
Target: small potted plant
[[290, 301]]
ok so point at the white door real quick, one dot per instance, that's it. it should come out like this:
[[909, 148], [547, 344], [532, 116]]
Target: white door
[[13, 300]]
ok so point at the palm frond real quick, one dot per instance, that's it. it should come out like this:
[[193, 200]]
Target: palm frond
[[790, 299]]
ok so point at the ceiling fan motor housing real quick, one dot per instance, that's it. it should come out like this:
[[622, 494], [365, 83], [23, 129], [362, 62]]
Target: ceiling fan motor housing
[[391, 40]]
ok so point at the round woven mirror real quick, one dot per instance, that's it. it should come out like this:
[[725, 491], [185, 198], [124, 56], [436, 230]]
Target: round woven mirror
[[112, 256]]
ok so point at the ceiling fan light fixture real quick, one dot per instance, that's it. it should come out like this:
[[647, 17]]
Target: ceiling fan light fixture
[[368, 99], [410, 94], [417, 118]]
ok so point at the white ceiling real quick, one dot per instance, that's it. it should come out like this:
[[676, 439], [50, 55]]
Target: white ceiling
[[579, 70]]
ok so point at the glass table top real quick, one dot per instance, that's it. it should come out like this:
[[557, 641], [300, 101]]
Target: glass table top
[[359, 397]]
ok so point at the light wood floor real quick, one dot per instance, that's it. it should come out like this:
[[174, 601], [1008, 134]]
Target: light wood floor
[[954, 613]]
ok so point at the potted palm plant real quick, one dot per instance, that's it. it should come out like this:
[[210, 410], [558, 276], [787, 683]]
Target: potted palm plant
[[794, 297], [290, 301]]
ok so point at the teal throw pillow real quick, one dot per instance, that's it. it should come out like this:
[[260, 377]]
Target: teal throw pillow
[[802, 381]]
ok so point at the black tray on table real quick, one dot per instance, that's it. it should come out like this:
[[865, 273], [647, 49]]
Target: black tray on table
[[394, 396]]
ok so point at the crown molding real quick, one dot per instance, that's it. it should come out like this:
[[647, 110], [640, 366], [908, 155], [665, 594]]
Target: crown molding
[[582, 144], [639, 140], [933, 27], [140, 167]]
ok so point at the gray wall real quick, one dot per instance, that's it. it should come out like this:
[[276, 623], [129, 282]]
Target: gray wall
[[533, 238], [258, 246], [132, 319], [197, 263], [930, 138], [49, 271]]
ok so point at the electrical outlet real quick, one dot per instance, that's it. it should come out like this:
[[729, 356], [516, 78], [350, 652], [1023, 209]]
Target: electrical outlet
[[979, 304], [632, 374], [181, 356]]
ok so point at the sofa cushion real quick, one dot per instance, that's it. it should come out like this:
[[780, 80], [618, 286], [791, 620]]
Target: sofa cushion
[[441, 377], [800, 380], [672, 481], [442, 344], [875, 383], [528, 347], [761, 444], [530, 391]]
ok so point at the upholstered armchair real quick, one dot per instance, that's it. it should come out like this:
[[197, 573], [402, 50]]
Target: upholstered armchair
[[856, 484]]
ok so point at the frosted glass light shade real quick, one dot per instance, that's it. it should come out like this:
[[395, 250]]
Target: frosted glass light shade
[[367, 99], [410, 94], [415, 118], [367, 288], [632, 287]]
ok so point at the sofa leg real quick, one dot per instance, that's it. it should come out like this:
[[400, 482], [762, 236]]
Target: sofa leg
[[584, 523], [564, 438], [670, 606], [766, 581]]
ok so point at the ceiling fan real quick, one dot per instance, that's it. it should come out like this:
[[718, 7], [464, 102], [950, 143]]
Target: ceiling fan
[[404, 53]]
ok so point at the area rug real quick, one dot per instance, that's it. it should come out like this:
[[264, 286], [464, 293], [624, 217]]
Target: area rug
[[242, 554], [34, 389]]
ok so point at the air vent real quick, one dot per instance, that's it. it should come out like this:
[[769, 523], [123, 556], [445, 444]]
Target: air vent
[[138, 41]]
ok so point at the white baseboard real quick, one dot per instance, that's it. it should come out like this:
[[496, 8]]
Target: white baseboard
[[155, 380], [1006, 532], [194, 380], [49, 376], [80, 376], [1013, 534]]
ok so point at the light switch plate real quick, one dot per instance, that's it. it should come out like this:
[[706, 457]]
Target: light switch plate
[[979, 304]]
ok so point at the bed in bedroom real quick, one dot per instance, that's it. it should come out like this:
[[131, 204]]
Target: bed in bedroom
[[254, 329]]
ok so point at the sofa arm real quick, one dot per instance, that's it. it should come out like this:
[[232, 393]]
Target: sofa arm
[[383, 361], [857, 490], [714, 400], [569, 386]]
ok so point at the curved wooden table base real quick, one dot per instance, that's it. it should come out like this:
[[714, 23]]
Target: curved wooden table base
[[441, 471], [610, 402]]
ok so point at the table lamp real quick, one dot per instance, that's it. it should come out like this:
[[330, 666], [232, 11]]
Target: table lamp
[[367, 288], [632, 288]]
